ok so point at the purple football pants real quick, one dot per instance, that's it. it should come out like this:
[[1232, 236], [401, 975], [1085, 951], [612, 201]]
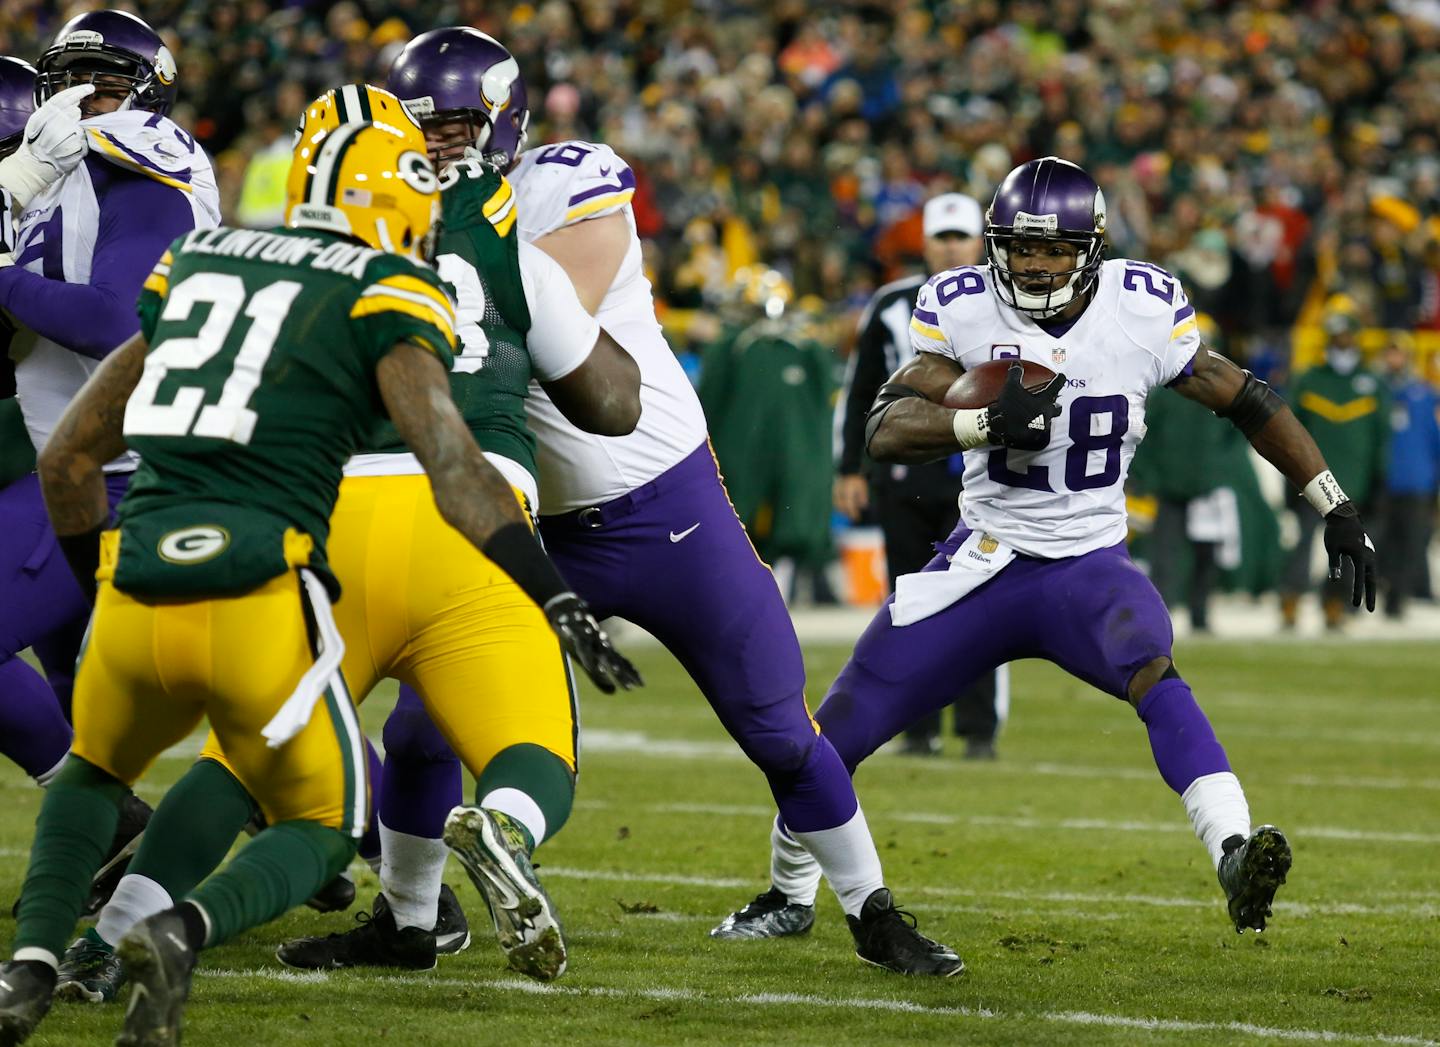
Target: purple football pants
[[672, 557], [1096, 616], [41, 606]]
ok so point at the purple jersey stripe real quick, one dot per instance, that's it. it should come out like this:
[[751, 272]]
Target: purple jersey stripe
[[182, 175], [1184, 311], [925, 316], [1185, 372], [624, 180]]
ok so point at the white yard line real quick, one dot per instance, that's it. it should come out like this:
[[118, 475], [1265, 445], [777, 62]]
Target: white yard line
[[641, 744], [1108, 902], [853, 1003], [1010, 821]]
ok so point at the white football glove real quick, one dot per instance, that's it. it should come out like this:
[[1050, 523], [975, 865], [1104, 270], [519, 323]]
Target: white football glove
[[53, 145]]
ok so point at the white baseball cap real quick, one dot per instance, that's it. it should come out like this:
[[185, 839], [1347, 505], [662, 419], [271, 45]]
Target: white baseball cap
[[952, 213]]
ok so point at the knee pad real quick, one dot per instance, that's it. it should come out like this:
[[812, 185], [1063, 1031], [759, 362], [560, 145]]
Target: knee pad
[[778, 753], [411, 735]]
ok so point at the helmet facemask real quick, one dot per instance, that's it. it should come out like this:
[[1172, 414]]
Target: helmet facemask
[[1064, 286]]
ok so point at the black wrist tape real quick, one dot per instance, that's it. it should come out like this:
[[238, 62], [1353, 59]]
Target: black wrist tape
[[1254, 405], [516, 552]]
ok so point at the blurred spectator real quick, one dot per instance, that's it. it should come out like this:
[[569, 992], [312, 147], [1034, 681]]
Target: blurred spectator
[[1346, 409], [1414, 479], [768, 386]]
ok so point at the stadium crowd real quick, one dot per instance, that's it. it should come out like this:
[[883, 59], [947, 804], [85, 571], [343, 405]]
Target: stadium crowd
[[1274, 155]]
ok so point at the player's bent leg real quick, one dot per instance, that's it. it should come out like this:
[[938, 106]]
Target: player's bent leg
[[415, 917], [1114, 632]]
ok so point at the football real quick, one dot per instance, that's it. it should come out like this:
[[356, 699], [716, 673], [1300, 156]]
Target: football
[[980, 386]]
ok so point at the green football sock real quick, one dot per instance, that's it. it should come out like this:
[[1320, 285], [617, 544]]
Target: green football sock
[[76, 824], [193, 828], [540, 775], [278, 870]]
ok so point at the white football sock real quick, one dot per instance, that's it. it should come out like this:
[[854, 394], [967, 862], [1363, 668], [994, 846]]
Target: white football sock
[[411, 870], [44, 778], [847, 856], [521, 807], [136, 898], [1217, 809], [35, 954], [792, 868]]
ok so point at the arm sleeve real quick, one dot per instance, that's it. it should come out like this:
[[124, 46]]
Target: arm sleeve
[[862, 381], [405, 307], [562, 334], [926, 334], [1178, 360], [139, 217]]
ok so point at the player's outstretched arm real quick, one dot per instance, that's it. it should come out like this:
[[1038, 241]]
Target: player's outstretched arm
[[907, 423], [474, 498], [1273, 430], [89, 434]]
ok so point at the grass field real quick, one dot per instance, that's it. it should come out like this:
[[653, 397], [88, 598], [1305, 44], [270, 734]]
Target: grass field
[[1065, 874]]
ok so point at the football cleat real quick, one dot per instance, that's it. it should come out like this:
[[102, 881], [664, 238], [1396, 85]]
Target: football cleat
[[377, 942], [886, 936], [134, 816], [26, 989], [1251, 871], [90, 972], [159, 963], [770, 915], [336, 896], [493, 848], [452, 929]]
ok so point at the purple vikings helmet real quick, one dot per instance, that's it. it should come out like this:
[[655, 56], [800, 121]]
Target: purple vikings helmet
[[17, 101], [1047, 199], [458, 73], [117, 44]]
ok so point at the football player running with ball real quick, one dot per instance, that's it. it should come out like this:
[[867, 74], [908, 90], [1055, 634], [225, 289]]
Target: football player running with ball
[[264, 359], [639, 524], [1037, 567]]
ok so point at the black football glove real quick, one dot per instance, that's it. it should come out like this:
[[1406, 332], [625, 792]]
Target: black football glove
[[1345, 539], [1020, 418], [583, 640]]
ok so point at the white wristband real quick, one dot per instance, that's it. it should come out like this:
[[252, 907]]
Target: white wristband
[[1324, 493], [26, 175], [972, 428]]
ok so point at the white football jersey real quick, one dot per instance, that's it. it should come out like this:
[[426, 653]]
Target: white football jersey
[[56, 238], [558, 185], [561, 337], [1139, 331]]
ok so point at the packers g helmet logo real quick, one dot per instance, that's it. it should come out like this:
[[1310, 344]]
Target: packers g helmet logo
[[417, 173], [193, 545]]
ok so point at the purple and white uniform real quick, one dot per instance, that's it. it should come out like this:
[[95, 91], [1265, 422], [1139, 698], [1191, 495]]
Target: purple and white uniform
[[642, 528], [1037, 567], [83, 248]]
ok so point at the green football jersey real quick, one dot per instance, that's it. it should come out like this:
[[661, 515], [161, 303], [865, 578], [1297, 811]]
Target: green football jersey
[[258, 384], [480, 256]]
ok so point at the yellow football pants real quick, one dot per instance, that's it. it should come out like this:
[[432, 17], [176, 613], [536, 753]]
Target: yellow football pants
[[422, 605], [151, 670]]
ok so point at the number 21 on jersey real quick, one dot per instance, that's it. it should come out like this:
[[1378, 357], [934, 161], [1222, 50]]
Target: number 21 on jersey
[[188, 414]]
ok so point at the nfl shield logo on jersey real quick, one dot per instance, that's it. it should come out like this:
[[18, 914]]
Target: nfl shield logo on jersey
[[1057, 355]]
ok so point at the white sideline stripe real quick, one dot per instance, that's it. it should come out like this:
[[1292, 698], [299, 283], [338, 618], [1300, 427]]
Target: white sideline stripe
[[858, 1003], [1108, 901], [1314, 832], [638, 743]]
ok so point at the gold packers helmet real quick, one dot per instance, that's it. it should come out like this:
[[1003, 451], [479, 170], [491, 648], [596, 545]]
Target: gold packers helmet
[[356, 103], [368, 181]]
